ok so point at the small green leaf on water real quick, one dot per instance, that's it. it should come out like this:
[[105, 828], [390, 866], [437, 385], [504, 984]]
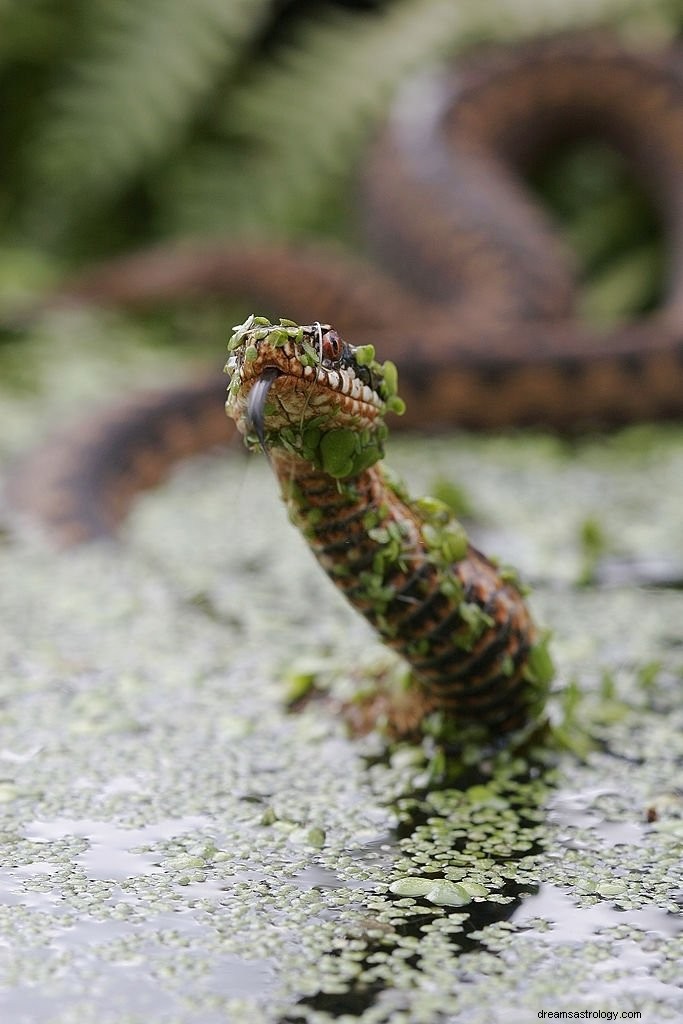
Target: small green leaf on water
[[473, 888], [411, 886], [302, 677], [608, 685], [648, 674], [269, 817], [298, 685], [185, 861], [593, 544], [592, 537], [614, 888], [437, 764], [480, 794], [448, 894], [313, 837], [8, 792]]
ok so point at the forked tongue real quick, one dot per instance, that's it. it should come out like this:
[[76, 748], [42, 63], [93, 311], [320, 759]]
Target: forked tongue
[[256, 403]]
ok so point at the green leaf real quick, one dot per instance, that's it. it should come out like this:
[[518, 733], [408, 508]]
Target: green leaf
[[540, 668], [411, 886], [336, 452], [364, 354], [448, 894]]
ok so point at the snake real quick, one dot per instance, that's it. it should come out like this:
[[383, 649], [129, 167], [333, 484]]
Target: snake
[[471, 294], [316, 405]]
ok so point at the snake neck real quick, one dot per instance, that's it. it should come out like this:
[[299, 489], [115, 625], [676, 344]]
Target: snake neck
[[460, 623]]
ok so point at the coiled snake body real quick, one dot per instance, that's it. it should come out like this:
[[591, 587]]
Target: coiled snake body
[[478, 312]]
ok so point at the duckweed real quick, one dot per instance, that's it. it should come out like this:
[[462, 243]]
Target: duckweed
[[148, 867]]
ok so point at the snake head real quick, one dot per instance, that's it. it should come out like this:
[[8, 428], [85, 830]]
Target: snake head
[[306, 392]]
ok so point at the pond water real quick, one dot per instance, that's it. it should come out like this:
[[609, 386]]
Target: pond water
[[176, 846]]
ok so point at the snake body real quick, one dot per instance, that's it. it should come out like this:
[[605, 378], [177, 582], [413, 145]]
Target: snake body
[[316, 404], [476, 309]]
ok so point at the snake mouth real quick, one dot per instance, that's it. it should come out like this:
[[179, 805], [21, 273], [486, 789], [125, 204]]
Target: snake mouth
[[305, 389]]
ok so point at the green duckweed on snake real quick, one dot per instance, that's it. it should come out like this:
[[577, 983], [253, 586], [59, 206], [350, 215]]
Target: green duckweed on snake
[[316, 406]]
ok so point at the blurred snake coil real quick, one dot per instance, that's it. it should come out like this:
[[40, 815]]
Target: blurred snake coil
[[475, 303]]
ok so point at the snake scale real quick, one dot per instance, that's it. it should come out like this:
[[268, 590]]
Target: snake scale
[[475, 304]]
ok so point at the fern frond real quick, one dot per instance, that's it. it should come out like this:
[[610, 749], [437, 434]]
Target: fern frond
[[300, 119], [146, 67]]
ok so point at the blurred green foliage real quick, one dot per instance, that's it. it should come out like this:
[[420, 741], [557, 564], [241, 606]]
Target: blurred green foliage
[[125, 121], [129, 119]]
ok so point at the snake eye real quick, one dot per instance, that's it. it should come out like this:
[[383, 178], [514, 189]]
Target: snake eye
[[332, 346]]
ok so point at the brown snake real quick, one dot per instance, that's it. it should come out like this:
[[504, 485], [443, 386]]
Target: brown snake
[[478, 313], [316, 405], [479, 316]]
